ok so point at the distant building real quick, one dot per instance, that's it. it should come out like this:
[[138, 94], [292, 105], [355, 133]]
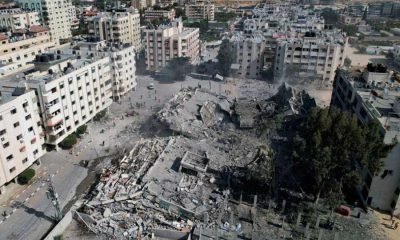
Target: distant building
[[200, 11], [151, 14], [19, 49], [119, 26], [170, 41], [373, 95], [54, 15], [345, 19], [14, 19], [165, 3]]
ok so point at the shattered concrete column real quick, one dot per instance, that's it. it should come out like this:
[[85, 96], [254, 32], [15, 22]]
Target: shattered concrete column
[[317, 222], [255, 201], [241, 197], [298, 219], [306, 229], [320, 234], [283, 206], [269, 204], [336, 236]]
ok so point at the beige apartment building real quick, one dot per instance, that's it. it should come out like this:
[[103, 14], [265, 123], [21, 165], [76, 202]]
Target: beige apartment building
[[151, 14], [18, 50], [119, 26], [54, 15], [314, 56], [15, 19], [200, 11], [170, 41], [21, 132]]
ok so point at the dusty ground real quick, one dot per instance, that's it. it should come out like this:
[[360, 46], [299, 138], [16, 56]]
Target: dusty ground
[[385, 226], [360, 60]]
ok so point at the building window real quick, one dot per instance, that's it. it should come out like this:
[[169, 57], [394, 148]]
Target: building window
[[2, 132], [28, 117], [9, 157], [25, 160], [35, 152], [16, 124], [13, 111], [19, 137], [30, 129], [12, 169], [5, 145]]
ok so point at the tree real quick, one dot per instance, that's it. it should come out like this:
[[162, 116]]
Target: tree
[[69, 141], [81, 130], [26, 176], [225, 57], [347, 62], [180, 12], [351, 30], [330, 16], [328, 147]]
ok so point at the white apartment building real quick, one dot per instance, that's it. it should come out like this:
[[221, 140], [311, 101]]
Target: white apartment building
[[165, 3], [18, 50], [314, 55], [170, 41], [119, 26], [54, 15], [151, 14], [372, 95], [14, 20], [200, 11], [21, 132], [71, 90], [122, 56], [73, 19]]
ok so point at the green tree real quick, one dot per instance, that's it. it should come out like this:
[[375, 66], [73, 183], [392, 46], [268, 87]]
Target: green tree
[[69, 141], [351, 30], [347, 62], [180, 12], [81, 130], [328, 147], [26, 176], [225, 57]]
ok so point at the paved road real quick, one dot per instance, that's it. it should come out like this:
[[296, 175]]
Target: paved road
[[30, 214]]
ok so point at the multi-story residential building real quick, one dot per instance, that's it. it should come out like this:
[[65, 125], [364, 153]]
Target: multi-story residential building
[[21, 132], [357, 8], [314, 55], [151, 14], [345, 19], [372, 95], [14, 19], [122, 63], [18, 50], [269, 41], [170, 41], [71, 90], [200, 11], [54, 15], [119, 26], [74, 21]]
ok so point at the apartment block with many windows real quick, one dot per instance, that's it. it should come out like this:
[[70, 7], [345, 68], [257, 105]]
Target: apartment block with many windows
[[119, 26], [53, 14], [21, 133], [71, 90], [170, 41], [14, 19], [18, 49], [122, 62], [151, 14], [372, 95], [200, 11]]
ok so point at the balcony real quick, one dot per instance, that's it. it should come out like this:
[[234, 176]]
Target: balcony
[[49, 97], [52, 108], [56, 129], [52, 121]]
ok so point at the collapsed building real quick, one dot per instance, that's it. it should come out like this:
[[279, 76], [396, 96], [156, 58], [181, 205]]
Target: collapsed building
[[182, 187]]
